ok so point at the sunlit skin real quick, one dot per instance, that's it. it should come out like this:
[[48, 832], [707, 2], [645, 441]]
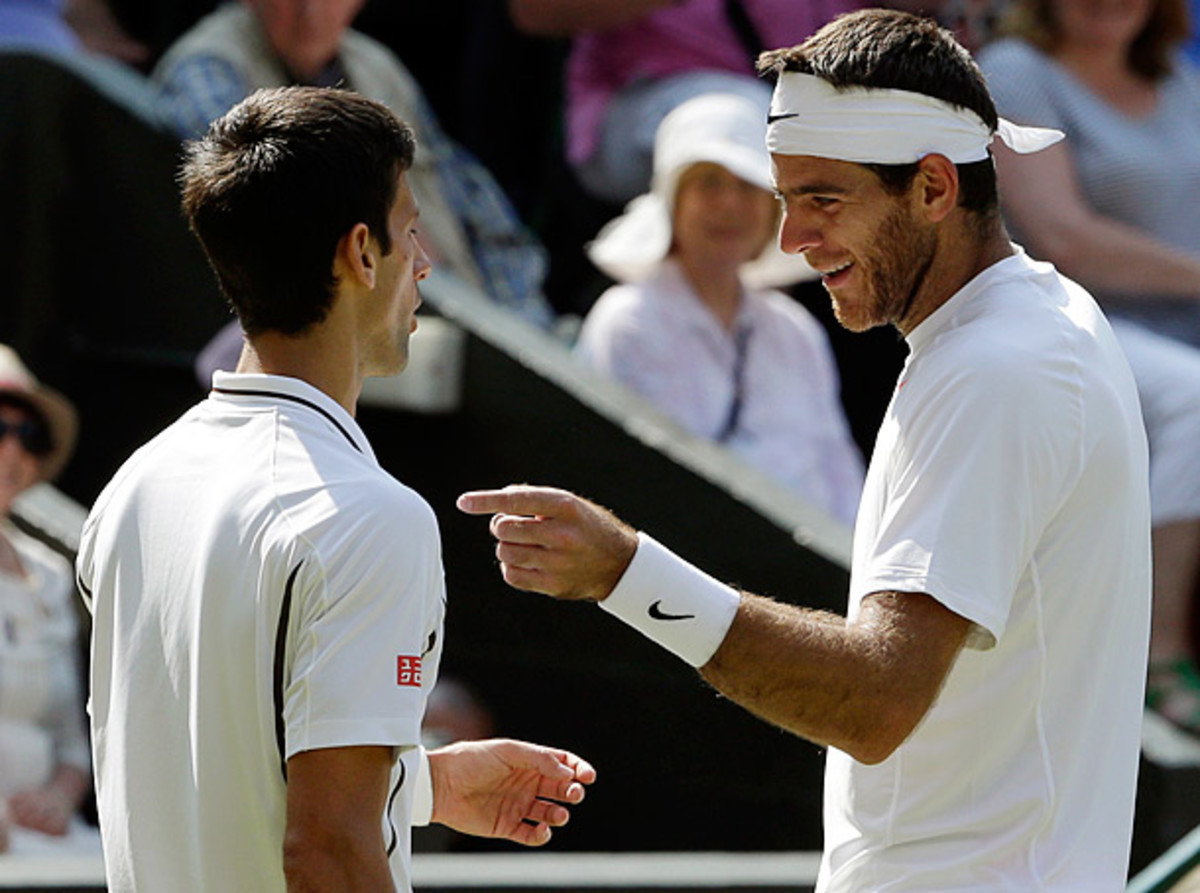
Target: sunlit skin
[[884, 259], [306, 33], [870, 248], [389, 319]]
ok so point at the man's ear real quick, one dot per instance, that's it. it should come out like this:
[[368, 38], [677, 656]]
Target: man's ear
[[937, 180], [357, 255]]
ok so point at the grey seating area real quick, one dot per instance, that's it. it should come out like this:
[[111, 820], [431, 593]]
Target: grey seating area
[[107, 296]]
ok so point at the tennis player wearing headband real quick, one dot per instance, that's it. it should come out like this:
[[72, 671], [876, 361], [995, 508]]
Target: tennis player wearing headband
[[981, 700]]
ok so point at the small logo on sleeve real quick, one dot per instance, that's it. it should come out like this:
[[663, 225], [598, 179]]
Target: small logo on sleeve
[[408, 670], [658, 613]]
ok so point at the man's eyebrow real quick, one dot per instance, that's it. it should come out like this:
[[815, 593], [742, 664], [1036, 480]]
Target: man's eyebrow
[[818, 188]]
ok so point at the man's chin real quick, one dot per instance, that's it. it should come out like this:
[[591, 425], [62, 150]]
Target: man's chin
[[394, 366], [853, 319]]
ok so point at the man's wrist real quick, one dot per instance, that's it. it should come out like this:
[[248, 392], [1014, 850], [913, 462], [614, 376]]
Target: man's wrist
[[673, 603]]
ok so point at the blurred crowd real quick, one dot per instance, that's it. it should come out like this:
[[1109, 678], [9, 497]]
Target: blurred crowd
[[602, 162]]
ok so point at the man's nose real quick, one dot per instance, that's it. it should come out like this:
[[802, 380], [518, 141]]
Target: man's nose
[[796, 234], [422, 266]]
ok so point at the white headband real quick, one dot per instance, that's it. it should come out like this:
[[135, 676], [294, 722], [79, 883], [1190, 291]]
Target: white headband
[[810, 116]]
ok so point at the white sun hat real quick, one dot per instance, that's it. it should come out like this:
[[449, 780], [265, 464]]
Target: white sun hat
[[56, 410], [722, 128]]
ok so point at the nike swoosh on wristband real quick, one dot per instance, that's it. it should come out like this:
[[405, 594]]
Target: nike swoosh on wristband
[[771, 119], [658, 614]]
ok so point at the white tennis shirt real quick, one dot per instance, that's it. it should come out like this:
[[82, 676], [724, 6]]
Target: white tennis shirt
[[260, 586], [1009, 481]]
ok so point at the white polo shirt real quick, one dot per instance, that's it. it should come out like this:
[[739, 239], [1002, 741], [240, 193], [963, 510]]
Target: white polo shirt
[[1010, 482], [260, 586]]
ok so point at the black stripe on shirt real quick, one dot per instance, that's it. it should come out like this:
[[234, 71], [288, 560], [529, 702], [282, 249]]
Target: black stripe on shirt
[[285, 613], [294, 399], [392, 799]]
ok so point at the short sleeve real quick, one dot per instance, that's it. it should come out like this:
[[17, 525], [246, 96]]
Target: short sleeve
[[1020, 82], [985, 457], [366, 619]]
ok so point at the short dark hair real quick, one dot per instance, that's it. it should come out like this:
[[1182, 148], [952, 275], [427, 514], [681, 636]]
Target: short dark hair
[[274, 185], [889, 49]]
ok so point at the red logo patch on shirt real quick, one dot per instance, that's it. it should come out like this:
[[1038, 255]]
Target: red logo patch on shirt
[[408, 670]]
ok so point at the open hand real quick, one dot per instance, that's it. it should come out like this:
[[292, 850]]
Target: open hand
[[506, 789]]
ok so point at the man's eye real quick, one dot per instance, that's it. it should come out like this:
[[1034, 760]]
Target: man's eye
[[823, 201]]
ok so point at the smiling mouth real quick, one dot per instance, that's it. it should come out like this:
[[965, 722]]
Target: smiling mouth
[[833, 275]]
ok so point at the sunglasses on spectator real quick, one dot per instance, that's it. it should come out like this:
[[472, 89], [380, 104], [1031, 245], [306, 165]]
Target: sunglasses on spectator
[[31, 433]]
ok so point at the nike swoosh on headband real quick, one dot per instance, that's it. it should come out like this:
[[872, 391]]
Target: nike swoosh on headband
[[658, 614], [771, 119]]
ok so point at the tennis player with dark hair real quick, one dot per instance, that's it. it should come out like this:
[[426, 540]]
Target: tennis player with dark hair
[[267, 600], [982, 698]]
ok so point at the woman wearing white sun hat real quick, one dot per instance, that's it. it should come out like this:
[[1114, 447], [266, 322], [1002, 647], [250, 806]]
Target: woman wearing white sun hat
[[694, 324], [45, 764]]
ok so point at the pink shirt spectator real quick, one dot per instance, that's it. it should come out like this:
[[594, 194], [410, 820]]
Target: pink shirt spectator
[[692, 36]]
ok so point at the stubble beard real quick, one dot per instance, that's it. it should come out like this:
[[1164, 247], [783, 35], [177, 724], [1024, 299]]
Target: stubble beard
[[896, 261]]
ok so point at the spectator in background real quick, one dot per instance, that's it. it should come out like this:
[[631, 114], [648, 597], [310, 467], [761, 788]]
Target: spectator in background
[[1192, 47], [632, 62], [694, 326], [1117, 206], [67, 26], [469, 227], [36, 24], [44, 758]]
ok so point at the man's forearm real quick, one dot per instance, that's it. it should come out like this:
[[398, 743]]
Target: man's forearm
[[860, 687]]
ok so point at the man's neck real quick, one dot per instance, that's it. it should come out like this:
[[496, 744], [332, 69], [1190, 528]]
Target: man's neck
[[964, 251], [310, 358]]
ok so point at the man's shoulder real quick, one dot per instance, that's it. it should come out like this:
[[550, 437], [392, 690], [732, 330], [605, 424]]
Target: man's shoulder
[[1030, 336], [375, 495]]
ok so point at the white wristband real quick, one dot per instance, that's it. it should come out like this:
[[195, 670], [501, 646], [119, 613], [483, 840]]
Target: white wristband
[[422, 810], [673, 603]]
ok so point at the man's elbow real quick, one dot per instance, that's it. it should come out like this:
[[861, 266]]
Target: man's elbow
[[882, 732], [328, 862], [305, 858]]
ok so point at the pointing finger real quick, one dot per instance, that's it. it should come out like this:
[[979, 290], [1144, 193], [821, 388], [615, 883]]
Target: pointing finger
[[516, 499]]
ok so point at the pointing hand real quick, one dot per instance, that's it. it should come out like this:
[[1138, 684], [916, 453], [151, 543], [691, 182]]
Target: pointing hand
[[554, 542]]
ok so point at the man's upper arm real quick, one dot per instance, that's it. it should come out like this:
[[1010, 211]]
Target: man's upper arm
[[921, 639]]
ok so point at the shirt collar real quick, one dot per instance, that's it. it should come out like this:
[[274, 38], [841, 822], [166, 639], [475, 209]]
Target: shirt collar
[[943, 317], [256, 387]]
